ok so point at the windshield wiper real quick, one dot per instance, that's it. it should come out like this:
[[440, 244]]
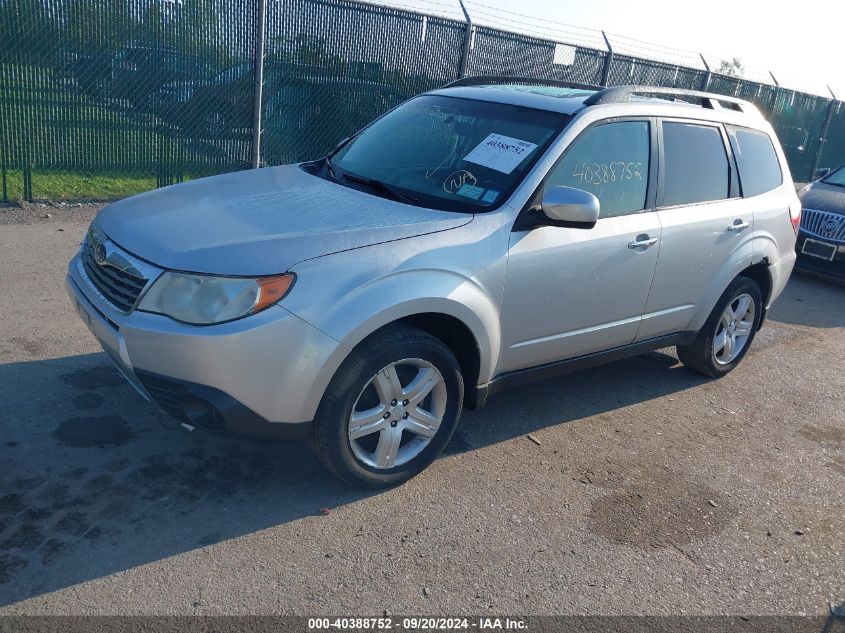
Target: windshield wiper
[[327, 161], [383, 187]]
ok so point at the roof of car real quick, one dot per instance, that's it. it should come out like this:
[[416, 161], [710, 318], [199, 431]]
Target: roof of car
[[553, 98], [568, 98]]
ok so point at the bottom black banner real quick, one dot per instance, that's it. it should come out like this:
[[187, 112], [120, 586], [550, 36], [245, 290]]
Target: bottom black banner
[[538, 624]]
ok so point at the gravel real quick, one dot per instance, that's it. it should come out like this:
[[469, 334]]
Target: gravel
[[49, 212], [644, 488]]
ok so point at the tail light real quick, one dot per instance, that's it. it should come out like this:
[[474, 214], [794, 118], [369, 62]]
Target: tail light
[[795, 215]]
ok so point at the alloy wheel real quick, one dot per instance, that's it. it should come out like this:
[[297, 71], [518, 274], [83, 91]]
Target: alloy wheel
[[397, 413], [734, 329]]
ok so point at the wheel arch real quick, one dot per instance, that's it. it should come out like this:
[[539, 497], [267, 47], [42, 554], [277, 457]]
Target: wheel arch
[[471, 337], [760, 274], [457, 336], [453, 333]]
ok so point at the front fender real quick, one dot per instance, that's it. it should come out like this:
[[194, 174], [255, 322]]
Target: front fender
[[406, 293], [350, 295], [363, 311]]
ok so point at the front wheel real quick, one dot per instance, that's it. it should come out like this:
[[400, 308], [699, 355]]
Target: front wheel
[[728, 332], [390, 409]]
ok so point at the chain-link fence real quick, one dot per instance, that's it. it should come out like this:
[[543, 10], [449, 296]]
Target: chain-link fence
[[100, 99]]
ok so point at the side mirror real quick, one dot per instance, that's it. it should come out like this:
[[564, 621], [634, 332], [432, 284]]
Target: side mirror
[[821, 173], [571, 207]]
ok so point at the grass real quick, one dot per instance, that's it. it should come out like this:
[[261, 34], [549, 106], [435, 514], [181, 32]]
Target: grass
[[82, 149], [64, 185]]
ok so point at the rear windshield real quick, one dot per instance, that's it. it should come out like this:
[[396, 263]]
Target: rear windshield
[[451, 153]]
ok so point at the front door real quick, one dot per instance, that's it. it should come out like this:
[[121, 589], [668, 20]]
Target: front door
[[572, 291]]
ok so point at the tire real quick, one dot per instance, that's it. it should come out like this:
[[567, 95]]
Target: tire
[[702, 355], [364, 386]]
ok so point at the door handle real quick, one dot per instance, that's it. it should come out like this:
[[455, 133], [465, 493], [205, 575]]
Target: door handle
[[738, 225], [642, 241]]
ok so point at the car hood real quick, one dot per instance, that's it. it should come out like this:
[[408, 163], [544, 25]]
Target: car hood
[[823, 197], [260, 222]]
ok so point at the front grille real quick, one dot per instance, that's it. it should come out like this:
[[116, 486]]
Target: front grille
[[119, 286], [830, 226]]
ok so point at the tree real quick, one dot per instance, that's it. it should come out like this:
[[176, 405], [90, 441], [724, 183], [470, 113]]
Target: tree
[[731, 67]]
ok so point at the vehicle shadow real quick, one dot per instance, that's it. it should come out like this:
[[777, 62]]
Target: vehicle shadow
[[835, 620], [573, 397], [810, 301], [92, 485]]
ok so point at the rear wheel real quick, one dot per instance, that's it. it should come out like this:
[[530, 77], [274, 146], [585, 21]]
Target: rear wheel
[[390, 409], [727, 335]]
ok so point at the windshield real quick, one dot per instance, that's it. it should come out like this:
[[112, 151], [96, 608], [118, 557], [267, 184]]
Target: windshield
[[450, 153], [836, 178]]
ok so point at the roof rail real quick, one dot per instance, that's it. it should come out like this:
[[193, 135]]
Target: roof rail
[[622, 94], [482, 80]]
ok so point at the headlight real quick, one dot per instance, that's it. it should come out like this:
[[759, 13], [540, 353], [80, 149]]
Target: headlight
[[206, 299]]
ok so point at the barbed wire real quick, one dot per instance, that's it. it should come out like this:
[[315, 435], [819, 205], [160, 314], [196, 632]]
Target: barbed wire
[[559, 35], [487, 15]]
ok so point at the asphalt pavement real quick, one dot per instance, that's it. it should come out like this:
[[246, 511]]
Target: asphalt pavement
[[646, 489]]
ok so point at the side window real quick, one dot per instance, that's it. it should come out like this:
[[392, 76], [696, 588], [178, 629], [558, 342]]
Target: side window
[[695, 164], [759, 169], [610, 161]]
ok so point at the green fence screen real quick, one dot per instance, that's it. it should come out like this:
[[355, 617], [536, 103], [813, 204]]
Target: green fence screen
[[101, 99]]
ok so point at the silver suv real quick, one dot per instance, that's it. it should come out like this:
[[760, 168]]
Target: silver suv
[[473, 238]]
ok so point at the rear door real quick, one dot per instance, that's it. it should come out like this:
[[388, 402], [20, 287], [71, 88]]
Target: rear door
[[762, 181], [706, 225]]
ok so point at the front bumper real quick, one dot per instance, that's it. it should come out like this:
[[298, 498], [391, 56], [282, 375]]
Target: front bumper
[[263, 375], [213, 410], [834, 269]]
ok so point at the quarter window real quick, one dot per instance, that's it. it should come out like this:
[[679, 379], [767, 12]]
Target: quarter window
[[696, 165], [610, 161], [759, 169]]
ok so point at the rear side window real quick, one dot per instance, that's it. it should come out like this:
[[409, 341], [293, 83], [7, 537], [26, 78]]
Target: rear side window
[[695, 164], [759, 169], [610, 161]]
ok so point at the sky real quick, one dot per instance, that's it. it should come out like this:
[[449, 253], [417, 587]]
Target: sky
[[805, 51]]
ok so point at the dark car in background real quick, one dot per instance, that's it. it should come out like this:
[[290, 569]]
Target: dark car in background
[[296, 96], [139, 72], [209, 107], [305, 117], [88, 72], [821, 239], [134, 73]]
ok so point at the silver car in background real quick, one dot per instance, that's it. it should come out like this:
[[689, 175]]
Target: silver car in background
[[474, 237]]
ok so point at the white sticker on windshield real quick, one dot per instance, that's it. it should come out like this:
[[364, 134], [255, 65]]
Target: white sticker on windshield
[[501, 153]]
